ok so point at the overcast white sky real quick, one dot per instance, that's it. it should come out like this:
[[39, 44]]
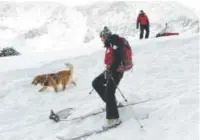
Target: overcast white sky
[[188, 3]]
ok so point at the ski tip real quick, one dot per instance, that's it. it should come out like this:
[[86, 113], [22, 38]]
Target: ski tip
[[53, 116], [51, 111]]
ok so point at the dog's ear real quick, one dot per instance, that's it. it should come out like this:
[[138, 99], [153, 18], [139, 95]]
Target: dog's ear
[[67, 64], [34, 82]]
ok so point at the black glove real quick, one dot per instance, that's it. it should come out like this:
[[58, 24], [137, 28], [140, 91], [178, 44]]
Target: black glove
[[137, 26], [107, 43]]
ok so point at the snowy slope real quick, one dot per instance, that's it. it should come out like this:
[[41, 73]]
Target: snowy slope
[[48, 35], [166, 72]]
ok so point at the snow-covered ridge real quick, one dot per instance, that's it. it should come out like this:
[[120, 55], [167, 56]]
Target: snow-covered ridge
[[31, 14], [121, 16], [36, 15], [56, 23], [44, 22]]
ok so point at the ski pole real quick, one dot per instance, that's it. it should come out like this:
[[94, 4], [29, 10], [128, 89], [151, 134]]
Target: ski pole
[[141, 126], [122, 95], [91, 91], [119, 90]]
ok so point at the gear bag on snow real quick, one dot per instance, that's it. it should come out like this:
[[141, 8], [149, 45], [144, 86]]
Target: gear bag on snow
[[126, 63]]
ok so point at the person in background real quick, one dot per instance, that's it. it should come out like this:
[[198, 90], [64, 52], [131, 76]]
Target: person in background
[[163, 31], [143, 21]]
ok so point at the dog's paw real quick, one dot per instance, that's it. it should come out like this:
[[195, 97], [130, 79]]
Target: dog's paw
[[64, 89], [41, 90], [56, 91]]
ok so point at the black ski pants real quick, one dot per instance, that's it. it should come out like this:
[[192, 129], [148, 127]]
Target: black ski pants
[[106, 89], [142, 28]]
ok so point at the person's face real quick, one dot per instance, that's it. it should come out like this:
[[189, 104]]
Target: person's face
[[103, 39]]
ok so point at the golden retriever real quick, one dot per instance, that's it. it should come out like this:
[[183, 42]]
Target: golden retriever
[[63, 77]]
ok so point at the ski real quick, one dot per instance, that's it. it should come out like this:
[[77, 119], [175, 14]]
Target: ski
[[62, 114], [101, 111], [88, 134]]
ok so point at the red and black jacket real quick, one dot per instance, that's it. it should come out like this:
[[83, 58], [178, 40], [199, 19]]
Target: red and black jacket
[[114, 52], [143, 20]]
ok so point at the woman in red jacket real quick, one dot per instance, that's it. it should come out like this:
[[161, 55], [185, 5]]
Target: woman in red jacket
[[143, 20], [106, 83]]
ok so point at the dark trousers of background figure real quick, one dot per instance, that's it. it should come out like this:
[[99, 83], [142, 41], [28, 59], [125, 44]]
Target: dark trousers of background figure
[[142, 29], [99, 84]]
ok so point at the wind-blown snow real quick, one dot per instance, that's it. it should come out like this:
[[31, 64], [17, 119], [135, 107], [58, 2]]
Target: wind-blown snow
[[166, 71]]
